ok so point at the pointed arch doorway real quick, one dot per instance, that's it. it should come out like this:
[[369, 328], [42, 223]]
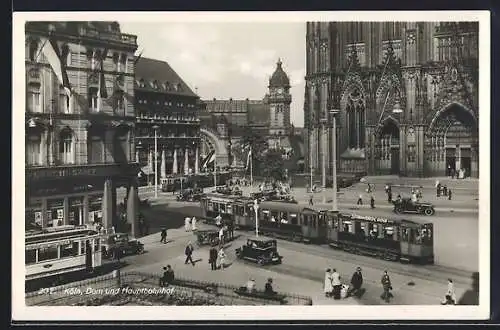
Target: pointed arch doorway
[[387, 147], [452, 141]]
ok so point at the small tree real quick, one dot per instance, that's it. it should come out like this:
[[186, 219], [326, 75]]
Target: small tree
[[273, 165]]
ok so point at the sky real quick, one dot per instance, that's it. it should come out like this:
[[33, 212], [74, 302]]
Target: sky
[[228, 59]]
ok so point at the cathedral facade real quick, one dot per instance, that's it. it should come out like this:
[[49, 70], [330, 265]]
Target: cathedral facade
[[406, 95]]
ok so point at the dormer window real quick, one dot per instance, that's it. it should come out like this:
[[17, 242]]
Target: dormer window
[[167, 86], [179, 87], [155, 84], [142, 84], [151, 84]]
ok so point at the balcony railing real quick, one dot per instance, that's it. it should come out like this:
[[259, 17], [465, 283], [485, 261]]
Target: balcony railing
[[110, 36]]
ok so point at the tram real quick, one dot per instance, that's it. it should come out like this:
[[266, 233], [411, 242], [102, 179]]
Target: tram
[[395, 238], [61, 250]]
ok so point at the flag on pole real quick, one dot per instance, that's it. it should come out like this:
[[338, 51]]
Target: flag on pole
[[51, 51], [249, 157], [209, 159]]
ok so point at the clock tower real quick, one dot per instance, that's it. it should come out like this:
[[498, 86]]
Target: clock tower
[[279, 100]]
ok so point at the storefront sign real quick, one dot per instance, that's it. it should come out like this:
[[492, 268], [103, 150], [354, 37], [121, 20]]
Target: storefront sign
[[84, 170]]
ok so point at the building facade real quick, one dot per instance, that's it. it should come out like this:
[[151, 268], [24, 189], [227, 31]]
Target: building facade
[[79, 123], [407, 93], [269, 116], [166, 103]]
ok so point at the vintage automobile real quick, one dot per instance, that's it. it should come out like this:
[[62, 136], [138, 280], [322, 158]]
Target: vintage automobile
[[120, 241], [263, 252], [190, 195], [406, 205]]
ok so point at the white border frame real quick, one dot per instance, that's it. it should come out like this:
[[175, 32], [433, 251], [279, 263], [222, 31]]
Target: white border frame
[[20, 312]]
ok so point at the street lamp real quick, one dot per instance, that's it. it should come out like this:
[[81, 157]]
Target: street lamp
[[256, 209], [333, 113], [155, 127]]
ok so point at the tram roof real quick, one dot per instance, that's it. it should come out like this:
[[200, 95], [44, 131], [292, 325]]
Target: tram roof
[[58, 233], [284, 206]]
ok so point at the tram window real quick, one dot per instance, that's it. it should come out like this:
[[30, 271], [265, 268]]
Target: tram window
[[406, 234], [306, 220], [210, 206], [82, 248], [68, 250], [215, 207], [96, 245], [229, 209], [388, 232], [222, 208], [293, 219], [426, 236], [265, 215], [347, 226], [335, 224], [48, 253], [30, 257]]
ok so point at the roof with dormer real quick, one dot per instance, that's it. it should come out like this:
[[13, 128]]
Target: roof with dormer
[[158, 76], [279, 77]]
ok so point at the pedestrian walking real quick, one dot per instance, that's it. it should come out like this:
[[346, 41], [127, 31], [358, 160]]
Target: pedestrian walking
[[222, 258], [231, 230], [372, 202], [438, 190], [387, 286], [218, 221], [389, 196], [449, 194], [328, 286], [450, 297], [445, 190], [212, 259], [337, 285], [311, 200], [356, 282], [193, 224], [187, 223], [189, 254], [163, 236], [221, 235], [360, 200]]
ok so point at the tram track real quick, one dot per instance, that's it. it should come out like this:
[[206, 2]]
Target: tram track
[[432, 273]]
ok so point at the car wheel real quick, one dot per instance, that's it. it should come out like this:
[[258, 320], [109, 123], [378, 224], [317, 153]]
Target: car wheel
[[429, 211]]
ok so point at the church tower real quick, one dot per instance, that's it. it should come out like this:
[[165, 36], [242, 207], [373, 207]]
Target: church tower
[[279, 100]]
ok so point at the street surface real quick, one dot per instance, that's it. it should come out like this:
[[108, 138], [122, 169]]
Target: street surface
[[302, 272]]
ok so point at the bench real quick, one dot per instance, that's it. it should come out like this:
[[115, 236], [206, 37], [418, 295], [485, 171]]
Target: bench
[[242, 291]]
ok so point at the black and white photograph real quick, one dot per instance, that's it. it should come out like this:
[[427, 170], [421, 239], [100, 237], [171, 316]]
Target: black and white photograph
[[251, 166]]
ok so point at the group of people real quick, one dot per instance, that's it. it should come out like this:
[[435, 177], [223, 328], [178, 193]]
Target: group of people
[[190, 224], [442, 190], [333, 286], [217, 258], [168, 276], [268, 288]]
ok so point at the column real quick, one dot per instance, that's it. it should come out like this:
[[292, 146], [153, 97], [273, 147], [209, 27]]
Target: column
[[174, 167], [323, 156], [86, 209], [43, 148], [107, 200], [44, 212], [113, 203], [150, 160], [132, 208], [186, 161], [163, 166], [137, 156], [196, 161], [65, 220], [474, 165], [458, 155]]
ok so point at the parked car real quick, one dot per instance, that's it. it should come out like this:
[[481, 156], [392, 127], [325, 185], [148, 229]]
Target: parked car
[[120, 241], [406, 205], [262, 252]]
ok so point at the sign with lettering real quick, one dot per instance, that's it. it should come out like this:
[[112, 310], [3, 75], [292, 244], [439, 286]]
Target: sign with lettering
[[83, 170], [370, 218]]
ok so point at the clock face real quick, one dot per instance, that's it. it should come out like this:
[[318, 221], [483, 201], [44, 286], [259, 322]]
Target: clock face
[[280, 90]]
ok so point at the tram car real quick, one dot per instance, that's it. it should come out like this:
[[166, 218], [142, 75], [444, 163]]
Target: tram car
[[61, 250], [391, 239], [394, 239]]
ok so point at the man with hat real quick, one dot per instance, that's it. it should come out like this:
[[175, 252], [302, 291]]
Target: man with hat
[[357, 282], [269, 287]]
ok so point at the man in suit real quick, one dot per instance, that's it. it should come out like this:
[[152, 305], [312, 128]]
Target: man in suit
[[212, 259]]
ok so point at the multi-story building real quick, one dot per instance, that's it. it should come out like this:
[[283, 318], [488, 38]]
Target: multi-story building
[[407, 93], [269, 116], [165, 103], [79, 123]]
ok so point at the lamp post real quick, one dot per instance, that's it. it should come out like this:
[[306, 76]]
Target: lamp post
[[256, 209], [155, 127], [333, 113]]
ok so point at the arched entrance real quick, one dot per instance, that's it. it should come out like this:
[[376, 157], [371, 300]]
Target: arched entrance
[[452, 141], [210, 142], [387, 147]]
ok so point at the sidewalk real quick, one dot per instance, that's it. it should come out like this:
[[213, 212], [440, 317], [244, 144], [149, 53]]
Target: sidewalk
[[459, 184]]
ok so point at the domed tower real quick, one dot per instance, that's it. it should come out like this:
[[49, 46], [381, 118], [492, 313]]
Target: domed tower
[[279, 100]]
